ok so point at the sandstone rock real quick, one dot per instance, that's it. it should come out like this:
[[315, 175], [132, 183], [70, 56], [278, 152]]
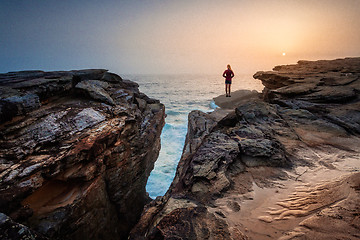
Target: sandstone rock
[[111, 77], [190, 223], [199, 125], [312, 80], [236, 99], [12, 230], [308, 119], [96, 90], [17, 103], [73, 167]]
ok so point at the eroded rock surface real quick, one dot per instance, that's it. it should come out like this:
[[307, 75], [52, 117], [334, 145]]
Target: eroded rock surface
[[275, 167], [76, 150]]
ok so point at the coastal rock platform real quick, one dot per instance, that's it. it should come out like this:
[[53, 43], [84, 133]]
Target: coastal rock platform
[[76, 149], [284, 164]]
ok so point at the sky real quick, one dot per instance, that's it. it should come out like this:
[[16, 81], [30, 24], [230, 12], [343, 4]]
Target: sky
[[174, 37]]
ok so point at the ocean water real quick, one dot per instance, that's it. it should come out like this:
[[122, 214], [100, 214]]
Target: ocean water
[[181, 94]]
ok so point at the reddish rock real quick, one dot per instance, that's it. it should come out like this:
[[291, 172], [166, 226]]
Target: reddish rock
[[305, 128], [74, 165]]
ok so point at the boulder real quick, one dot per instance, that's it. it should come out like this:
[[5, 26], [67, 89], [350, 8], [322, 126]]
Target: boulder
[[96, 90]]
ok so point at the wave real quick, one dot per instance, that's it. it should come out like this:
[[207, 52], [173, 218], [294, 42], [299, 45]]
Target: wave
[[213, 105], [174, 112]]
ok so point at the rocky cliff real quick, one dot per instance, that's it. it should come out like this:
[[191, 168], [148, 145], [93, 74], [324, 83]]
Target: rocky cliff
[[285, 165], [76, 150]]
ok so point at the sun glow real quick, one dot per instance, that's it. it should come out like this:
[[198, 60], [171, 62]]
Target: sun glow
[[283, 54]]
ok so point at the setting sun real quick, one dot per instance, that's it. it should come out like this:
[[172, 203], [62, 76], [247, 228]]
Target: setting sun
[[283, 54]]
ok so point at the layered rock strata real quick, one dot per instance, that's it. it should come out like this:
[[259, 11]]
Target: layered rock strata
[[76, 150], [285, 165]]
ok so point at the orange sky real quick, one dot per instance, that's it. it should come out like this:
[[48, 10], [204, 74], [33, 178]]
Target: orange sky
[[248, 34], [163, 36]]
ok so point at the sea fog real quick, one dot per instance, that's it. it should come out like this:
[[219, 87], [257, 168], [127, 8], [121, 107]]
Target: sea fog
[[181, 94]]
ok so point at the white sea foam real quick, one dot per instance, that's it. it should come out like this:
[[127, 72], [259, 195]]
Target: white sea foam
[[181, 94], [213, 105]]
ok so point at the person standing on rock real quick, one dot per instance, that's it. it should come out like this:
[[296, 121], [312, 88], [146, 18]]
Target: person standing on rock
[[228, 75]]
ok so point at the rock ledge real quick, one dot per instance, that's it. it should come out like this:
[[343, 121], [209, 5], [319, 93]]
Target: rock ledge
[[284, 166]]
